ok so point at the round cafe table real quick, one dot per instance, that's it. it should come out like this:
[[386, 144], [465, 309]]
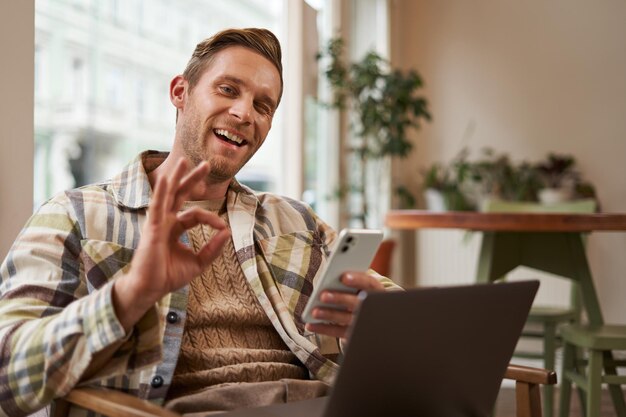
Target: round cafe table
[[548, 242]]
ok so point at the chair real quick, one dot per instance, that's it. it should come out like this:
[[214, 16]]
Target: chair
[[382, 259], [118, 404], [548, 319], [598, 341], [527, 385]]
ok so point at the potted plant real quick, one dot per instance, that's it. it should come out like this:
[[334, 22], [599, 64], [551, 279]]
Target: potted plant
[[559, 177], [443, 185], [435, 182], [495, 177], [384, 105]]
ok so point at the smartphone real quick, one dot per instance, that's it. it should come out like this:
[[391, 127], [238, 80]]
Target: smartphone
[[353, 250]]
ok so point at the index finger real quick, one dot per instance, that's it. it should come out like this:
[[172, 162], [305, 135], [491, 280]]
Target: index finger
[[187, 184], [361, 281]]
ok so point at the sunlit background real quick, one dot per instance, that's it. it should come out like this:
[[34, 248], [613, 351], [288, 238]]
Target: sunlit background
[[102, 73], [524, 78]]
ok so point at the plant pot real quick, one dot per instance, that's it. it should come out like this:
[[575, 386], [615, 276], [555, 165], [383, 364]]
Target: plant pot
[[446, 200], [554, 195], [435, 200]]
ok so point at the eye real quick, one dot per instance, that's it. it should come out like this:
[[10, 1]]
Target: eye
[[228, 90], [264, 108]]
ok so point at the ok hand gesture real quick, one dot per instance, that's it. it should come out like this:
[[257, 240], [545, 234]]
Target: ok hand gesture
[[162, 263]]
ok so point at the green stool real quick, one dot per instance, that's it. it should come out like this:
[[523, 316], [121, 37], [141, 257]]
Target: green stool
[[598, 342], [548, 318]]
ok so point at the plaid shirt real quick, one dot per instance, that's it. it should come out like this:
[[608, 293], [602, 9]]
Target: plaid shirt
[[58, 328]]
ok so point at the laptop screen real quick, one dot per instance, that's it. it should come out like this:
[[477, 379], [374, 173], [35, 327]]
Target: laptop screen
[[431, 351]]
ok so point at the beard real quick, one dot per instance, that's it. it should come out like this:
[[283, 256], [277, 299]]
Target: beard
[[193, 135]]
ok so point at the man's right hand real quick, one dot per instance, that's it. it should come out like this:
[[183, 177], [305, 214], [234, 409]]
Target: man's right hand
[[162, 263]]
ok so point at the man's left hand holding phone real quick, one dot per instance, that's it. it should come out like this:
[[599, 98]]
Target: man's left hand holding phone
[[331, 311], [337, 320]]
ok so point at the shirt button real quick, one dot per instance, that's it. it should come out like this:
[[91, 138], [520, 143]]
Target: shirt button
[[172, 317], [157, 381]]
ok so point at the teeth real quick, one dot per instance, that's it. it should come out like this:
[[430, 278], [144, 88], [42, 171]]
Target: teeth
[[230, 136]]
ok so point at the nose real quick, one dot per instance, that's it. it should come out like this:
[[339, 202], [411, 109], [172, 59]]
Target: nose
[[242, 109]]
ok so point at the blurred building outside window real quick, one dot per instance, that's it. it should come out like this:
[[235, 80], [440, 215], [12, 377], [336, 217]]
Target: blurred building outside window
[[102, 73]]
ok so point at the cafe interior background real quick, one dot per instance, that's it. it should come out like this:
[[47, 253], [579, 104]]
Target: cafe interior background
[[524, 78]]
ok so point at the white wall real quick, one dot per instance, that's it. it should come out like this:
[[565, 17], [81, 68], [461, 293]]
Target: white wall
[[527, 77], [17, 40]]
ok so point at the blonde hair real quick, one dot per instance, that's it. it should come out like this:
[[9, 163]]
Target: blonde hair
[[261, 41]]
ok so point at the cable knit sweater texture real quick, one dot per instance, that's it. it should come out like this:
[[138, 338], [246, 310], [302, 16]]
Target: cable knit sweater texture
[[227, 336]]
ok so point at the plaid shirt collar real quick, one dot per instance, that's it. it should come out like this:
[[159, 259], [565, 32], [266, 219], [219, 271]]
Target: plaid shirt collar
[[131, 188]]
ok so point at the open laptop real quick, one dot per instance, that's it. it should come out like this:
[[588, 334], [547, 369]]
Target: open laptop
[[425, 352]]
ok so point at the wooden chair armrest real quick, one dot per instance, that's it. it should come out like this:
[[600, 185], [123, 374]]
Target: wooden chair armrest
[[527, 388], [530, 375], [111, 403]]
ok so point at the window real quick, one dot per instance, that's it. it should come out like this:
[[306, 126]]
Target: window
[[38, 70], [102, 73], [78, 79], [113, 86], [325, 137]]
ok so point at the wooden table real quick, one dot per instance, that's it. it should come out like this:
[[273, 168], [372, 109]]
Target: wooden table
[[544, 241]]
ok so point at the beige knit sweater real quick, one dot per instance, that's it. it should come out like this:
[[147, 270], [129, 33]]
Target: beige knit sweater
[[227, 336]]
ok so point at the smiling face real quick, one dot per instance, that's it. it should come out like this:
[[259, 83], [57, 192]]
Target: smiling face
[[226, 116]]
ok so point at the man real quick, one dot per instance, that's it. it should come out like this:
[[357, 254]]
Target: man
[[172, 281]]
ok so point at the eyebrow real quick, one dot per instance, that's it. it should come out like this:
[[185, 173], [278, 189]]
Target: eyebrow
[[239, 81]]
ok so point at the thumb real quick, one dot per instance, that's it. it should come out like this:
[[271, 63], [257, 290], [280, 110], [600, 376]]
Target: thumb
[[213, 248]]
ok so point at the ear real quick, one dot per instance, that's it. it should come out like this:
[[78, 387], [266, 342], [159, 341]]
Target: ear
[[178, 91]]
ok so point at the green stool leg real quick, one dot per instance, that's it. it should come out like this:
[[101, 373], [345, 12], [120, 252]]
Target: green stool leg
[[615, 390], [581, 369], [594, 383], [566, 385]]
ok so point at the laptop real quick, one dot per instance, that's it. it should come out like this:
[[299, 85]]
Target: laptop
[[431, 352]]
